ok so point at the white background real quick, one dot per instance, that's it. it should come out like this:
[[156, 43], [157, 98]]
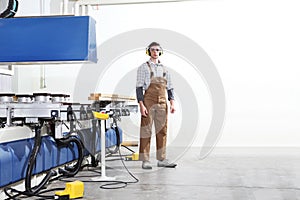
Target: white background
[[254, 44]]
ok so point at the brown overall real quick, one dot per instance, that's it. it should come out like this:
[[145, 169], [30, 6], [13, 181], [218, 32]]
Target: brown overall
[[156, 104]]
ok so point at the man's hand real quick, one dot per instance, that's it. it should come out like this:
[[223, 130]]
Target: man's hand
[[172, 107], [143, 109]]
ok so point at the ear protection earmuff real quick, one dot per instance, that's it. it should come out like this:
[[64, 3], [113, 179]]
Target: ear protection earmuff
[[149, 53]]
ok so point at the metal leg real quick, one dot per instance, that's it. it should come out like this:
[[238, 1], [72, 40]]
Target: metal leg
[[103, 169]]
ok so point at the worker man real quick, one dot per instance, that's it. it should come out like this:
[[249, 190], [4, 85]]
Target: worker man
[[153, 80]]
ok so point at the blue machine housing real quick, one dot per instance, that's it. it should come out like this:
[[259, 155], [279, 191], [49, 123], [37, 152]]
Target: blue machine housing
[[55, 39], [15, 155]]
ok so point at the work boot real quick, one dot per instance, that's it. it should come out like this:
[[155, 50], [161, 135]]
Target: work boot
[[166, 163], [146, 165]]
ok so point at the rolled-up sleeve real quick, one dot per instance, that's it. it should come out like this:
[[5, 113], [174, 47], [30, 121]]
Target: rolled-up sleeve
[[140, 78], [139, 94], [171, 94], [169, 81], [170, 88], [140, 81]]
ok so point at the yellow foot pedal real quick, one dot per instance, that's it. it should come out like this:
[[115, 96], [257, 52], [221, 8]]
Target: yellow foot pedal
[[134, 156], [73, 190]]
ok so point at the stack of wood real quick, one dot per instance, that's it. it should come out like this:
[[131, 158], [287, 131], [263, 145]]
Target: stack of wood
[[113, 97]]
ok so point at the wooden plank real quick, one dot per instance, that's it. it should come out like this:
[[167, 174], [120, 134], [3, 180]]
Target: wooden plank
[[115, 97], [130, 143]]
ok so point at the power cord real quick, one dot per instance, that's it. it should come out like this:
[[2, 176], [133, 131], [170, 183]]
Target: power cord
[[19, 193], [128, 149], [110, 184]]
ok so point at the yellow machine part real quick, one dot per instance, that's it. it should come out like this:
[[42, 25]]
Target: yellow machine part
[[102, 116], [134, 156], [74, 189]]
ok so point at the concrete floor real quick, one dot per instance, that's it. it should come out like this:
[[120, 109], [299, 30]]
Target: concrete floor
[[226, 174]]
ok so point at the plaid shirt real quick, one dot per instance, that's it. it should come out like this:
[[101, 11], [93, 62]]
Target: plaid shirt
[[143, 75]]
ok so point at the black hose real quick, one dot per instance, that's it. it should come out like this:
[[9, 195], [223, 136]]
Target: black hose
[[11, 10], [116, 149], [31, 164], [72, 171]]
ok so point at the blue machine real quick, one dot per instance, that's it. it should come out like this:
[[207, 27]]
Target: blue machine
[[55, 39]]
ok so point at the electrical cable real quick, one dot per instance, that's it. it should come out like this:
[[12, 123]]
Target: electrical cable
[[128, 148], [116, 129], [31, 164], [110, 184], [24, 193], [114, 184], [29, 191], [19, 193], [72, 171], [66, 125]]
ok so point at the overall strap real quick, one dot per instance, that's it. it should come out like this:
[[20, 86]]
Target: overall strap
[[164, 72], [151, 72]]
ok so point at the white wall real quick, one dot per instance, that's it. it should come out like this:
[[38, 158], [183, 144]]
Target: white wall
[[254, 45]]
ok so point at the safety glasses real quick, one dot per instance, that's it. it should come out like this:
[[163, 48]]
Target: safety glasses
[[152, 49]]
